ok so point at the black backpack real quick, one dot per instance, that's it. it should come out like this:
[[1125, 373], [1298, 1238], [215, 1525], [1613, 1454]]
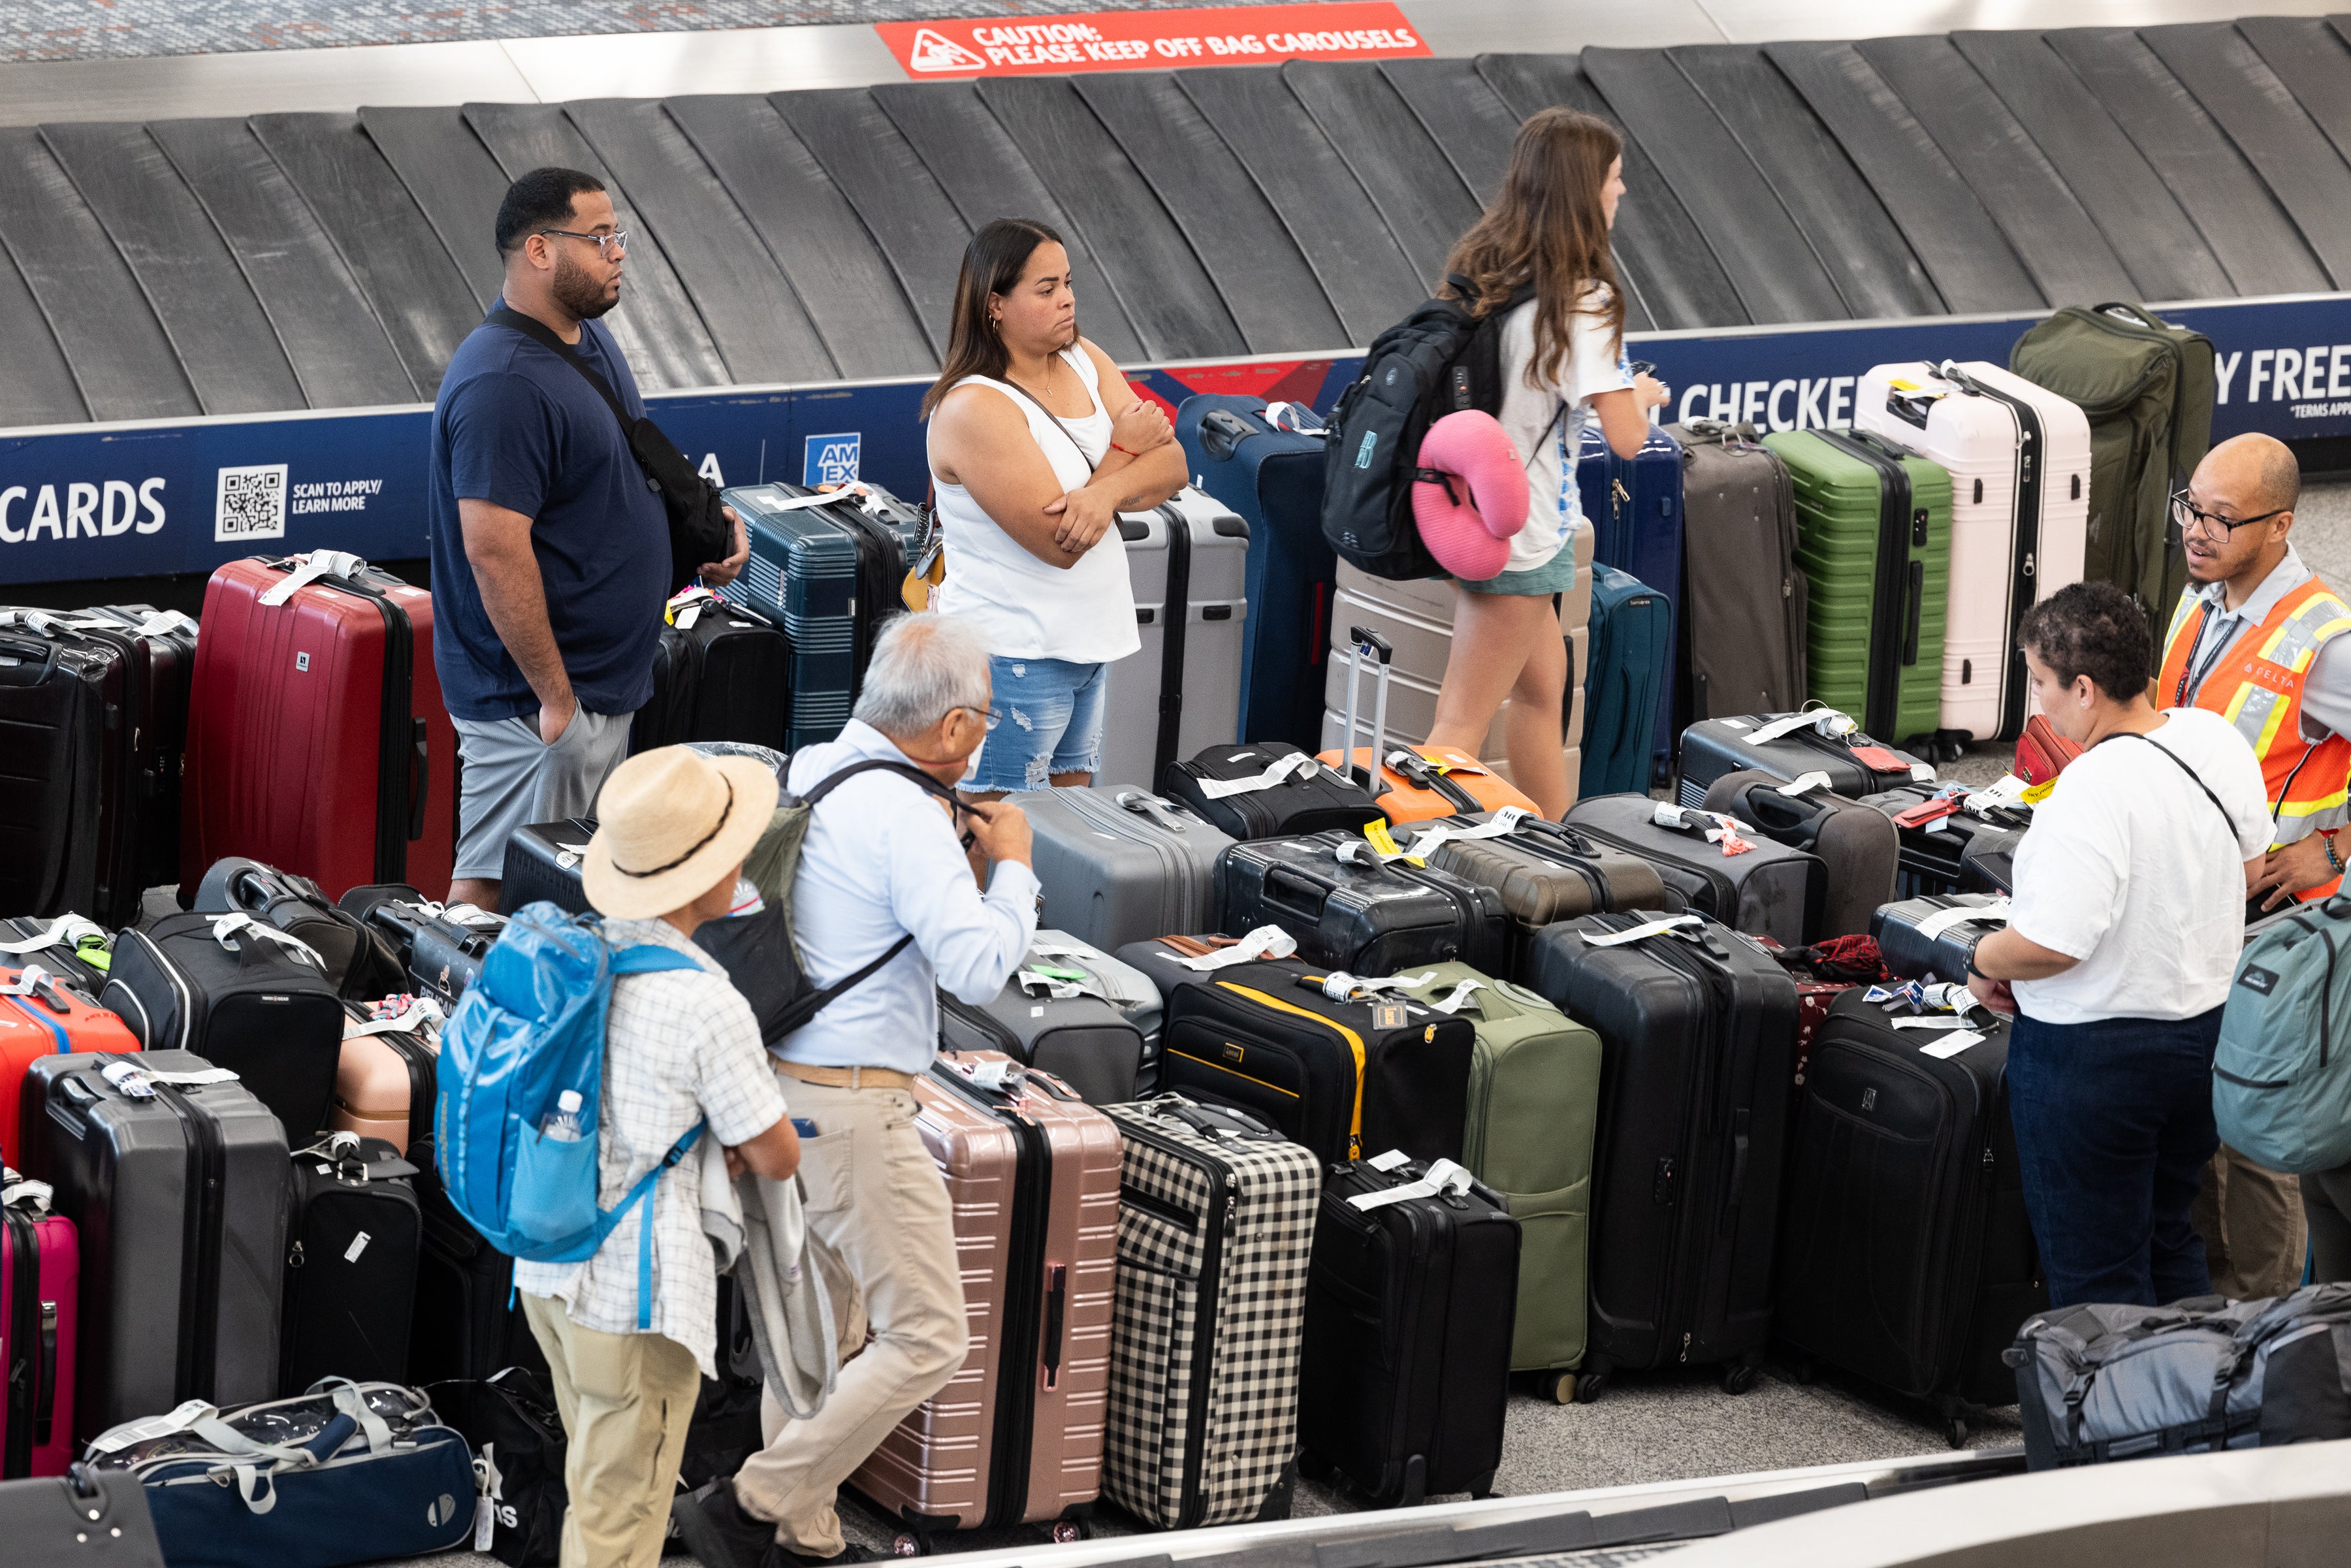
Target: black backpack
[[1437, 360]]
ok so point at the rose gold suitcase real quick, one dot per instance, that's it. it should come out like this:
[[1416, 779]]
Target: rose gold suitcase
[[1016, 1436], [385, 1085]]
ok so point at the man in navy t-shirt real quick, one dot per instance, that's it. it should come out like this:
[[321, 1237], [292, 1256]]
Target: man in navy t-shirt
[[550, 547]]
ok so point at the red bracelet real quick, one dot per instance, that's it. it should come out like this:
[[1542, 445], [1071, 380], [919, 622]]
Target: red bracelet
[[1115, 446]]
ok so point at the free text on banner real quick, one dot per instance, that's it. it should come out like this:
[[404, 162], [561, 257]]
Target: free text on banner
[[1122, 40]]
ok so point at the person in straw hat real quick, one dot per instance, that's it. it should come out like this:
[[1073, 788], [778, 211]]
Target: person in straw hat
[[882, 866], [680, 1047]]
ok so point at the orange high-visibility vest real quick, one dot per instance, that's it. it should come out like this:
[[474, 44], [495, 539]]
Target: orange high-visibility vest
[[2256, 684]]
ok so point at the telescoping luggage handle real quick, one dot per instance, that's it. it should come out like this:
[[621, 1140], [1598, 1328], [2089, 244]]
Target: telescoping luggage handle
[[1361, 641]]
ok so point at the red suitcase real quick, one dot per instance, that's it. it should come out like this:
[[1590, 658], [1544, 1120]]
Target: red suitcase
[[314, 718], [40, 1288], [45, 1020]]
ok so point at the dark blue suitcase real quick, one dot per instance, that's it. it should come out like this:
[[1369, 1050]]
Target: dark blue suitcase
[[1273, 480], [1632, 646], [1636, 511]]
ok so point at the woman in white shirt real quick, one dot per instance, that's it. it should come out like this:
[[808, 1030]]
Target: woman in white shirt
[[1032, 467], [1545, 237], [2121, 942]]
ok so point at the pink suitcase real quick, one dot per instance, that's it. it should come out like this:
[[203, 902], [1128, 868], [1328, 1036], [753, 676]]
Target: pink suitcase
[[40, 1283], [1036, 1290], [386, 1082]]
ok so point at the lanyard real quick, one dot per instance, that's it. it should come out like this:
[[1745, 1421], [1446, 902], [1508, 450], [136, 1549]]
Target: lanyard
[[2191, 677]]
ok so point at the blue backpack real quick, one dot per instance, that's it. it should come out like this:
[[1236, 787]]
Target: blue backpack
[[531, 1028]]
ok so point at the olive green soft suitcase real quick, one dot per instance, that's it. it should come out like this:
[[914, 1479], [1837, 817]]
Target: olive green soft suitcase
[[1534, 1102], [1873, 538]]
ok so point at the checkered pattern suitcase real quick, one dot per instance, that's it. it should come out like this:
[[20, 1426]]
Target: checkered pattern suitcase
[[1216, 1221]]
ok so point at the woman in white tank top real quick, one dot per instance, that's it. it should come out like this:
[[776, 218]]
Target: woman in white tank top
[[1031, 469]]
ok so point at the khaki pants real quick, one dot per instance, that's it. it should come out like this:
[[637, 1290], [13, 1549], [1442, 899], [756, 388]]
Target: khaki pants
[[876, 1197], [2251, 1222], [625, 1400]]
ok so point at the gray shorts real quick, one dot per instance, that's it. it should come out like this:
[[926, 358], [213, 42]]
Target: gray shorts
[[513, 780]]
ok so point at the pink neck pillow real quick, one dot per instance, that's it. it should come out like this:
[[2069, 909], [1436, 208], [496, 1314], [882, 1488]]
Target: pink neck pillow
[[1469, 494]]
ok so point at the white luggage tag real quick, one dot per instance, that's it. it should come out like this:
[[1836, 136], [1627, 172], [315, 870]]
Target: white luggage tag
[[1803, 784], [17, 1188], [1424, 843], [1952, 1044], [1450, 762], [29, 981], [687, 608], [319, 563], [1727, 832], [1458, 997], [115, 1439], [2009, 791], [1444, 1176], [1265, 942], [1943, 920], [1644, 932], [66, 931], [227, 927], [1299, 765], [1002, 1077], [1343, 987], [1832, 724], [855, 494]]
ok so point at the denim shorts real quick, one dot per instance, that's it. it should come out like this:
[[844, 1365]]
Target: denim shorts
[[1047, 718]]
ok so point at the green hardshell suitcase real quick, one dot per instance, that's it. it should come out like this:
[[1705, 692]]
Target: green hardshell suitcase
[[1534, 1106], [1874, 529]]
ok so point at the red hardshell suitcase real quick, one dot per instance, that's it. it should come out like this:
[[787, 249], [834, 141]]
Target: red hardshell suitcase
[[1016, 1436], [314, 718], [49, 1019], [40, 1301]]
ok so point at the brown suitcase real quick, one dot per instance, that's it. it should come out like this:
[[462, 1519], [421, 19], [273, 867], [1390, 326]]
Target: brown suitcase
[[1742, 621], [1547, 871], [1016, 1436], [385, 1083]]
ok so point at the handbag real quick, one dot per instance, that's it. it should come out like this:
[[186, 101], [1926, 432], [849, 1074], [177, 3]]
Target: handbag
[[698, 529]]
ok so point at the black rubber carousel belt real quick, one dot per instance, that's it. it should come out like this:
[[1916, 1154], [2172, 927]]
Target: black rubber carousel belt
[[2160, 245], [1166, 290], [1876, 272], [658, 328], [218, 328], [330, 329], [1660, 251], [2239, 219], [762, 331], [2301, 165], [1462, 114], [103, 327], [454, 181], [38, 387], [420, 296], [1418, 192], [853, 297], [980, 170], [921, 234], [2069, 258], [1337, 226], [1769, 260], [1267, 284], [2314, 60], [1954, 238]]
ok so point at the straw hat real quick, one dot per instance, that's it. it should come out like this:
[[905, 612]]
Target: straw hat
[[670, 823]]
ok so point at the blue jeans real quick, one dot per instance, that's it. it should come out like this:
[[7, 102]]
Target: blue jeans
[[2114, 1124], [1046, 718]]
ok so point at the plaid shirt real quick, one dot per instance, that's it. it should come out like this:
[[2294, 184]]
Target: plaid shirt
[[680, 1047]]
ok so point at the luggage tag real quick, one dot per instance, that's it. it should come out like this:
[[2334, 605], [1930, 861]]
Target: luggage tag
[[998, 1077], [1943, 920], [319, 563], [1951, 1045], [1446, 1177], [1725, 833], [1802, 784], [17, 1189], [1831, 723], [1641, 932], [1879, 760], [229, 926], [115, 1439], [1299, 765], [1927, 812], [80, 936], [687, 606], [1265, 942]]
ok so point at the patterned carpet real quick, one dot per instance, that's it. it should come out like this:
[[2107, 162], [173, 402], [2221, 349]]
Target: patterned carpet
[[96, 29]]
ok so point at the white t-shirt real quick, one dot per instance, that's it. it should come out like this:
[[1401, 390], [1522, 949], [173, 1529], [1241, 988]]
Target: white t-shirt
[[2128, 868], [1032, 611], [1545, 438]]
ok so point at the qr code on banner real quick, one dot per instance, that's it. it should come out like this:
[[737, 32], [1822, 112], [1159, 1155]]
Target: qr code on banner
[[252, 504]]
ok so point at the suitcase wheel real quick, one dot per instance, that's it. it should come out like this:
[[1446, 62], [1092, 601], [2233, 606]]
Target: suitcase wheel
[[1067, 1529], [1559, 1387], [1740, 1376], [1593, 1381], [909, 1544], [1955, 1431]]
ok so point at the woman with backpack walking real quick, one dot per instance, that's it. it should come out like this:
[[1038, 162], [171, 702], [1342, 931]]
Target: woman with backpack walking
[[1541, 255]]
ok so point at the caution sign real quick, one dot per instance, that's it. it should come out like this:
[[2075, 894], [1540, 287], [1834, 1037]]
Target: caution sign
[[1128, 40]]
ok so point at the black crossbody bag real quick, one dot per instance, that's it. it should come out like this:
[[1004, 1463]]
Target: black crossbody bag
[[698, 529]]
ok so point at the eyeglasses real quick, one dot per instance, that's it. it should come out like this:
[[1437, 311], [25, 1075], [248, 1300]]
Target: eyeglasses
[[2186, 514], [605, 243]]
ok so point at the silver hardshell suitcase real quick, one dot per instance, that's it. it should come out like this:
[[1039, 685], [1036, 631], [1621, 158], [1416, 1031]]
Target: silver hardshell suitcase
[[1120, 864], [1072, 1011], [1188, 564]]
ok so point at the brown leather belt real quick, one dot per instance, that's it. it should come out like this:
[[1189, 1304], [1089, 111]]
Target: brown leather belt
[[846, 1077]]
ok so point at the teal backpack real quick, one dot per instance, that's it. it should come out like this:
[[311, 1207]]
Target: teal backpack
[[2282, 1074]]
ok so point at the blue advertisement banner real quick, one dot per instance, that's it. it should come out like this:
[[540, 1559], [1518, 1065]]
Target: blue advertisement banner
[[143, 500]]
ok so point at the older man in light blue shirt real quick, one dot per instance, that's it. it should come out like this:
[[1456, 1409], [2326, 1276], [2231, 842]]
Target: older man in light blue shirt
[[882, 864]]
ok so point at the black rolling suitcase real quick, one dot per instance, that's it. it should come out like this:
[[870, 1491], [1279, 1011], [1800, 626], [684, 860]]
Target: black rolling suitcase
[[543, 863], [161, 644], [1372, 1072], [721, 673], [1306, 797], [352, 1231], [357, 963], [1906, 1255], [64, 766], [1698, 1030], [174, 1175], [1937, 934], [466, 1322], [1858, 846], [1358, 915], [1767, 888], [1410, 1305], [1790, 744], [242, 1000], [1946, 846]]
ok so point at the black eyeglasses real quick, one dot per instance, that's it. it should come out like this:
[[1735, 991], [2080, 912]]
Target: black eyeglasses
[[2186, 514], [605, 243]]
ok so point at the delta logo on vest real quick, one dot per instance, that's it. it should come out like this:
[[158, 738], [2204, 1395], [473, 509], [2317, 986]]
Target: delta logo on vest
[[2256, 684]]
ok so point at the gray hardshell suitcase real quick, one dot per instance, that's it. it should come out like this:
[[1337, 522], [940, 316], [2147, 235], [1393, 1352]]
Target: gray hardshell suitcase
[[178, 1190], [1766, 890], [1072, 1011], [1187, 564], [1744, 595], [1858, 843], [1120, 864]]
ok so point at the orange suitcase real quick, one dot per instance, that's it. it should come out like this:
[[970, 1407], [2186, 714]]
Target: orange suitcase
[[1416, 782], [47, 1017]]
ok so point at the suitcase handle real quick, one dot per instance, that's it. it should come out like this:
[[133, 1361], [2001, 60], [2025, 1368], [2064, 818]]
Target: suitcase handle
[[1057, 1297], [419, 778], [1286, 888], [1222, 432], [1917, 605], [1736, 1189], [43, 653]]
